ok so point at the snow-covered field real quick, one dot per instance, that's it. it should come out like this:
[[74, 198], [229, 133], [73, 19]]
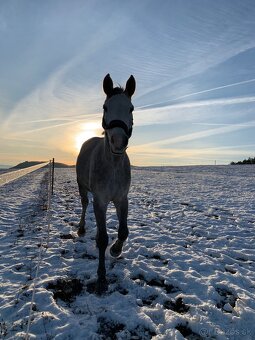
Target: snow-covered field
[[187, 270]]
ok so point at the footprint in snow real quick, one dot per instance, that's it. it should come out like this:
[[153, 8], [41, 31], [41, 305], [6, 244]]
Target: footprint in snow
[[110, 329], [65, 289], [158, 282], [187, 332], [177, 306], [227, 300]]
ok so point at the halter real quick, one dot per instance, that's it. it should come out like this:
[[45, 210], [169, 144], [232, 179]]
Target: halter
[[118, 123]]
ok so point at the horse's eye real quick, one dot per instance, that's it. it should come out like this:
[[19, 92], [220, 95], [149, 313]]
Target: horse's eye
[[105, 108]]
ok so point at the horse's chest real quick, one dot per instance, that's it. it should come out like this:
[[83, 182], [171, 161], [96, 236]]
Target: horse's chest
[[112, 182], [116, 180]]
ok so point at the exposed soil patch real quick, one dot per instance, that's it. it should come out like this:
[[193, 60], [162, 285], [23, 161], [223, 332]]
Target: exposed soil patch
[[142, 333], [91, 287], [227, 298], [66, 289], [177, 306], [67, 237], [88, 256], [149, 300], [109, 329], [187, 333]]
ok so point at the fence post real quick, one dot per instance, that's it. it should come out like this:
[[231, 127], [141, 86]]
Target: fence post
[[52, 174]]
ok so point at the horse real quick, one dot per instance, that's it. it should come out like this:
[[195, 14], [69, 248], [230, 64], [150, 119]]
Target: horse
[[103, 168]]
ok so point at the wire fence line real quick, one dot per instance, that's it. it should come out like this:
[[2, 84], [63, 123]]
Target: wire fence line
[[13, 175], [44, 243], [44, 240]]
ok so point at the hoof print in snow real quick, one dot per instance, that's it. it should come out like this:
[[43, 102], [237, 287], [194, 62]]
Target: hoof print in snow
[[227, 301], [148, 301], [242, 259], [177, 306], [97, 288], [187, 333], [141, 333], [109, 329], [230, 269], [20, 233], [112, 279], [156, 257], [91, 287], [66, 289], [88, 256], [157, 283], [18, 267], [67, 237], [121, 290]]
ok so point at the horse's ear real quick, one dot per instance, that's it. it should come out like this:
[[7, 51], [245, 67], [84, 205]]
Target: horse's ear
[[130, 86], [108, 85]]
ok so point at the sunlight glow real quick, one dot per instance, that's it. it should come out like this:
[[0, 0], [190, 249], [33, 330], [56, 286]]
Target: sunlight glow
[[86, 131]]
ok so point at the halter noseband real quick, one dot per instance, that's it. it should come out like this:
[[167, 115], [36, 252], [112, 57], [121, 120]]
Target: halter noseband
[[117, 123]]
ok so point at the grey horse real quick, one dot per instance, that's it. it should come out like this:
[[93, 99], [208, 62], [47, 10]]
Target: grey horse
[[103, 168]]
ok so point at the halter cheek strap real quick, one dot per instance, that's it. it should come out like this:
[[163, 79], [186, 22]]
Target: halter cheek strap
[[117, 123]]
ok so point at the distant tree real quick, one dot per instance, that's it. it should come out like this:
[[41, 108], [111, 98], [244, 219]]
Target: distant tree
[[245, 161]]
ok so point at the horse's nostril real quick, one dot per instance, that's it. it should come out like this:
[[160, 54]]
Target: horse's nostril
[[119, 141]]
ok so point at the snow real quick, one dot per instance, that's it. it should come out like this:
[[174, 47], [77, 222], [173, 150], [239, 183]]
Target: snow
[[187, 269]]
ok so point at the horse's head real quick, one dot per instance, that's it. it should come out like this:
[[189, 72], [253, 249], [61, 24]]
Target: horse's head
[[118, 114]]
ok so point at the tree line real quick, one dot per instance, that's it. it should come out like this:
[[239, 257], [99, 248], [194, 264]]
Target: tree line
[[245, 161]]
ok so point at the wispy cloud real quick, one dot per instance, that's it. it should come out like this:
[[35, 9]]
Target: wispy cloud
[[200, 134], [188, 156], [61, 118], [217, 101], [187, 111]]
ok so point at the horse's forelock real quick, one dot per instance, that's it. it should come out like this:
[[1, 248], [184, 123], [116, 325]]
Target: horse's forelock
[[115, 91]]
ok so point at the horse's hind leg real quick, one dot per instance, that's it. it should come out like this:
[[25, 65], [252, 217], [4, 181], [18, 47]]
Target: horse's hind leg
[[122, 212], [84, 202]]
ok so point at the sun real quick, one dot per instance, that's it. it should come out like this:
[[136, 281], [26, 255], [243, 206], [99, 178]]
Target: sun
[[86, 131]]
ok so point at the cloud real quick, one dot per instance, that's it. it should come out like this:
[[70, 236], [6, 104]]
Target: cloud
[[198, 135], [219, 101], [153, 155], [187, 111]]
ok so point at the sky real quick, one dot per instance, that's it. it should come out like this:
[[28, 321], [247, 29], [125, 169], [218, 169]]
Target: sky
[[193, 62]]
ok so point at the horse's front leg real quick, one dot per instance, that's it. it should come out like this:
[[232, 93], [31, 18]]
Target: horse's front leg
[[84, 202], [102, 243], [122, 212]]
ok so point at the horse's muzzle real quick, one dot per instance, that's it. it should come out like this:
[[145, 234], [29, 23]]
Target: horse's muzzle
[[118, 143]]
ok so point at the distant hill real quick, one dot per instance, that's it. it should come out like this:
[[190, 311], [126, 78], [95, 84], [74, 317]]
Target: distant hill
[[27, 164], [2, 166], [245, 161]]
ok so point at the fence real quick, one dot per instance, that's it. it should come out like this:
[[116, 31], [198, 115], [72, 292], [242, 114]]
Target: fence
[[11, 176], [44, 241], [43, 245]]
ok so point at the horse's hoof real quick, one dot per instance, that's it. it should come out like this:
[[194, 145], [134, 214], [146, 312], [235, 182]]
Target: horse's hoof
[[101, 287], [81, 232], [116, 249]]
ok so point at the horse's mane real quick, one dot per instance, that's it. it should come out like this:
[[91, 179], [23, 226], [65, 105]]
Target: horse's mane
[[116, 90]]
